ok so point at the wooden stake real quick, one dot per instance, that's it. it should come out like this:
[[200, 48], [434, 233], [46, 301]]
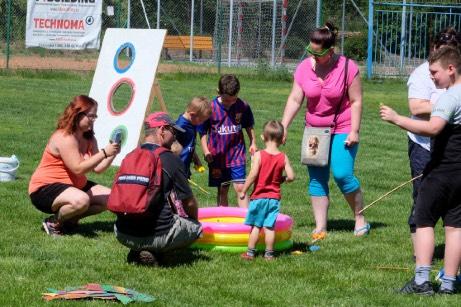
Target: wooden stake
[[154, 92]]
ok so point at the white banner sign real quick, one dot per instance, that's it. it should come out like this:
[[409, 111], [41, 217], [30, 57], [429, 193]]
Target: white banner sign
[[63, 24]]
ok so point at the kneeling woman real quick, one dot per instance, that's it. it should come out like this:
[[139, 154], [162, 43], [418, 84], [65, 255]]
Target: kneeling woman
[[59, 185]]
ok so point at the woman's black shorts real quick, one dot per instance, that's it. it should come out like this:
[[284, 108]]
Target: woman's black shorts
[[44, 197]]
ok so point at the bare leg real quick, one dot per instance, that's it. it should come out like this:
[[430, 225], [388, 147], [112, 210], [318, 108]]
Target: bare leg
[[320, 208], [452, 258], [222, 199], [70, 204], [424, 245], [254, 236], [355, 201], [98, 200], [269, 238], [413, 240], [74, 204], [242, 203]]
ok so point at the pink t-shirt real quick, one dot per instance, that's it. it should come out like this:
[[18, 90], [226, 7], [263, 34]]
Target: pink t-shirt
[[323, 98]]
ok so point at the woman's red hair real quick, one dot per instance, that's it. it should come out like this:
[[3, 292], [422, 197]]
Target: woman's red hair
[[73, 112]]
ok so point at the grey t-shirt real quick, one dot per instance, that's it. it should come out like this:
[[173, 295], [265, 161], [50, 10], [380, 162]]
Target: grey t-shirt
[[446, 146], [448, 107]]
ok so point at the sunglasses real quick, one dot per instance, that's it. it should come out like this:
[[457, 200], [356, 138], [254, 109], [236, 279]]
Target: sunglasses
[[90, 116], [171, 129], [317, 53]]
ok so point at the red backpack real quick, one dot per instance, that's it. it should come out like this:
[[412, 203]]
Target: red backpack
[[137, 182]]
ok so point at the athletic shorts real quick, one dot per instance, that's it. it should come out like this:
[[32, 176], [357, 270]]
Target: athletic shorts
[[44, 197], [439, 196], [217, 176], [262, 212]]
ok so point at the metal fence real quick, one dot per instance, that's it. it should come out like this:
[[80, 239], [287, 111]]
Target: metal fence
[[389, 37], [243, 32], [400, 33]]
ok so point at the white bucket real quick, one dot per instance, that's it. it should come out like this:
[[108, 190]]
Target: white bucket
[[8, 168]]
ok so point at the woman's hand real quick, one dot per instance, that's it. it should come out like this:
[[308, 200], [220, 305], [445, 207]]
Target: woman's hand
[[112, 149], [352, 139]]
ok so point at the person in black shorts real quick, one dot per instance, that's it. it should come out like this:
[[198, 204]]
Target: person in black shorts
[[59, 185], [440, 191]]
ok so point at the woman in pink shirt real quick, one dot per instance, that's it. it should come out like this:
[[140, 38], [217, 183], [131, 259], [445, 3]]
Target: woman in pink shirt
[[320, 78]]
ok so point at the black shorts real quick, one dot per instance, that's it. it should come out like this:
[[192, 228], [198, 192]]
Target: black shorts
[[439, 196], [44, 197]]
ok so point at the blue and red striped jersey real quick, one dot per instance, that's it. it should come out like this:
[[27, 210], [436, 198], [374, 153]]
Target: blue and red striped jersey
[[225, 132]]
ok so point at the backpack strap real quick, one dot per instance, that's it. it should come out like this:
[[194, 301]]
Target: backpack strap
[[346, 66]]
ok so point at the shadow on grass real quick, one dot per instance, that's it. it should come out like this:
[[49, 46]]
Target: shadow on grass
[[297, 246], [90, 230], [348, 225], [439, 252], [180, 258]]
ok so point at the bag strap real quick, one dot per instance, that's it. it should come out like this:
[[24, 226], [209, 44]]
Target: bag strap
[[346, 66]]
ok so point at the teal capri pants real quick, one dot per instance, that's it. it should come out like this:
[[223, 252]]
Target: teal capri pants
[[342, 159]]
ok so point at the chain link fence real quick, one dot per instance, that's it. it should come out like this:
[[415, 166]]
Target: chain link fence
[[242, 32], [403, 31]]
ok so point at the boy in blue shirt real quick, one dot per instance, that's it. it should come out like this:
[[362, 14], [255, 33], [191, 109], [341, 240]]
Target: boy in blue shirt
[[197, 111], [439, 195]]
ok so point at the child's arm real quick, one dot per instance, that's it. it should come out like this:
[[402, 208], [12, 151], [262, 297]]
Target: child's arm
[[196, 159], [290, 174], [252, 138], [206, 151], [255, 165], [427, 128]]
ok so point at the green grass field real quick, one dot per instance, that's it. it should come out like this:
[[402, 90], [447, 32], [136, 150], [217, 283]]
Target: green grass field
[[346, 271]]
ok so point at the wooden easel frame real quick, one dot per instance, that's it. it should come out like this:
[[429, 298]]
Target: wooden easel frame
[[154, 92]]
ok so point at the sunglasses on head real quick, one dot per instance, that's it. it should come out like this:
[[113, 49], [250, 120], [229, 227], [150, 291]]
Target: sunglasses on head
[[317, 53]]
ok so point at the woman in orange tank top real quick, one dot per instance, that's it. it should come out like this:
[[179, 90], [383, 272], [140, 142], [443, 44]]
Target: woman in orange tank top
[[59, 185]]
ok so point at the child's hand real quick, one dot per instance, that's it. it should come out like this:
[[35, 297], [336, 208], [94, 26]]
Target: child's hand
[[253, 149], [388, 114], [242, 196], [199, 168], [208, 157]]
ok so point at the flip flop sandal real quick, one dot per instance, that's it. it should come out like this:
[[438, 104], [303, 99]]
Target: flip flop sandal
[[318, 236], [362, 231]]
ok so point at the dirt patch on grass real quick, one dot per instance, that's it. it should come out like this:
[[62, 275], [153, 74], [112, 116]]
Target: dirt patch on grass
[[62, 63]]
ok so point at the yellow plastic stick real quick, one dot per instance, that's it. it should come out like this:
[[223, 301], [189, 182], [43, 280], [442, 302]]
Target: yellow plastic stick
[[199, 187]]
